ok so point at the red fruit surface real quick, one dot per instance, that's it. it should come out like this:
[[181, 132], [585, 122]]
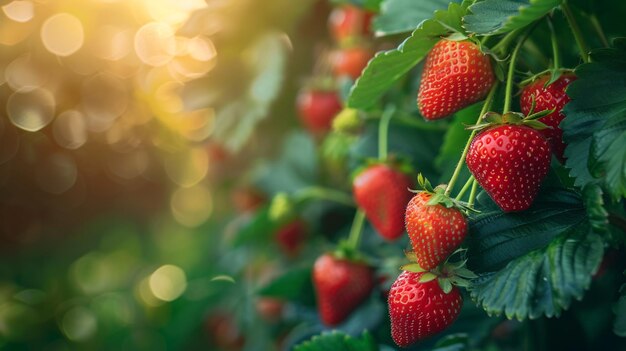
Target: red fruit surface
[[509, 162], [317, 109], [419, 310], [341, 286], [382, 192], [435, 231], [547, 98], [291, 236], [349, 21], [351, 62], [456, 74]]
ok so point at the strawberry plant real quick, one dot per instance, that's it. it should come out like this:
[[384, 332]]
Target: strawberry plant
[[515, 113]]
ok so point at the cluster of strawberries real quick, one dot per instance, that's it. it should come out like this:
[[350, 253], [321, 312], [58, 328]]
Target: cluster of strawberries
[[508, 157], [319, 102]]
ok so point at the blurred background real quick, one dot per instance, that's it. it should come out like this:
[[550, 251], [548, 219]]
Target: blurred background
[[130, 132]]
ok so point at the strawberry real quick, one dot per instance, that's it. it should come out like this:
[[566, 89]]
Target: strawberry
[[349, 21], [551, 97], [420, 309], [509, 161], [456, 74], [434, 229], [382, 192], [317, 108], [341, 285], [350, 62], [290, 237]]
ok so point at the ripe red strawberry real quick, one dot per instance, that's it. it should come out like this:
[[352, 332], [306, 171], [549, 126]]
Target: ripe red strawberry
[[351, 62], [290, 237], [547, 98], [419, 310], [435, 230], [317, 108], [509, 162], [382, 192], [456, 74], [349, 21], [341, 285]]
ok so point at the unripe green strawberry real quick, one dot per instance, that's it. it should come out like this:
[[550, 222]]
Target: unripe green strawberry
[[456, 74], [435, 230]]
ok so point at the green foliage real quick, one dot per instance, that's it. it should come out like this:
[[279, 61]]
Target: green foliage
[[453, 342], [491, 17], [595, 123], [387, 67], [550, 253], [619, 327], [399, 16], [294, 285], [337, 341]]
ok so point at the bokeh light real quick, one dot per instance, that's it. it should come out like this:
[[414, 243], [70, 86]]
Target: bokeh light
[[168, 282], [62, 34]]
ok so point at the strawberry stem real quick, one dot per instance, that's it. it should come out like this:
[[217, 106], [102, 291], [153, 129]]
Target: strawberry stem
[[316, 192], [598, 28], [556, 58], [501, 46], [580, 40], [465, 187], [459, 165], [356, 229], [383, 132], [508, 95], [472, 197]]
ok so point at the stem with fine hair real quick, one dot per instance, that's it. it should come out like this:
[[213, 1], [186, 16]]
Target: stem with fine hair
[[356, 229], [383, 132], [508, 93], [459, 165], [473, 193], [316, 192], [469, 182], [598, 28], [556, 58], [578, 35]]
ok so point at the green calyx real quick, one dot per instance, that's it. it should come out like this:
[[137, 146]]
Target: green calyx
[[347, 121], [447, 274], [281, 208], [346, 251], [440, 198], [491, 119], [555, 74]]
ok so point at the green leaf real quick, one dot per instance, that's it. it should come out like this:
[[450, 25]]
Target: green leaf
[[399, 16], [594, 128], [338, 341], [501, 16], [256, 229], [294, 285], [456, 136], [549, 253], [594, 203], [388, 67], [544, 281], [619, 326], [453, 342], [498, 238]]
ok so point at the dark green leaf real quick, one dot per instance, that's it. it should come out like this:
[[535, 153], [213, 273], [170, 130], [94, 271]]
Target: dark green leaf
[[294, 285], [501, 16], [594, 203], [255, 229], [595, 124], [619, 326], [453, 342], [535, 262], [337, 341], [389, 66], [498, 238], [399, 16]]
